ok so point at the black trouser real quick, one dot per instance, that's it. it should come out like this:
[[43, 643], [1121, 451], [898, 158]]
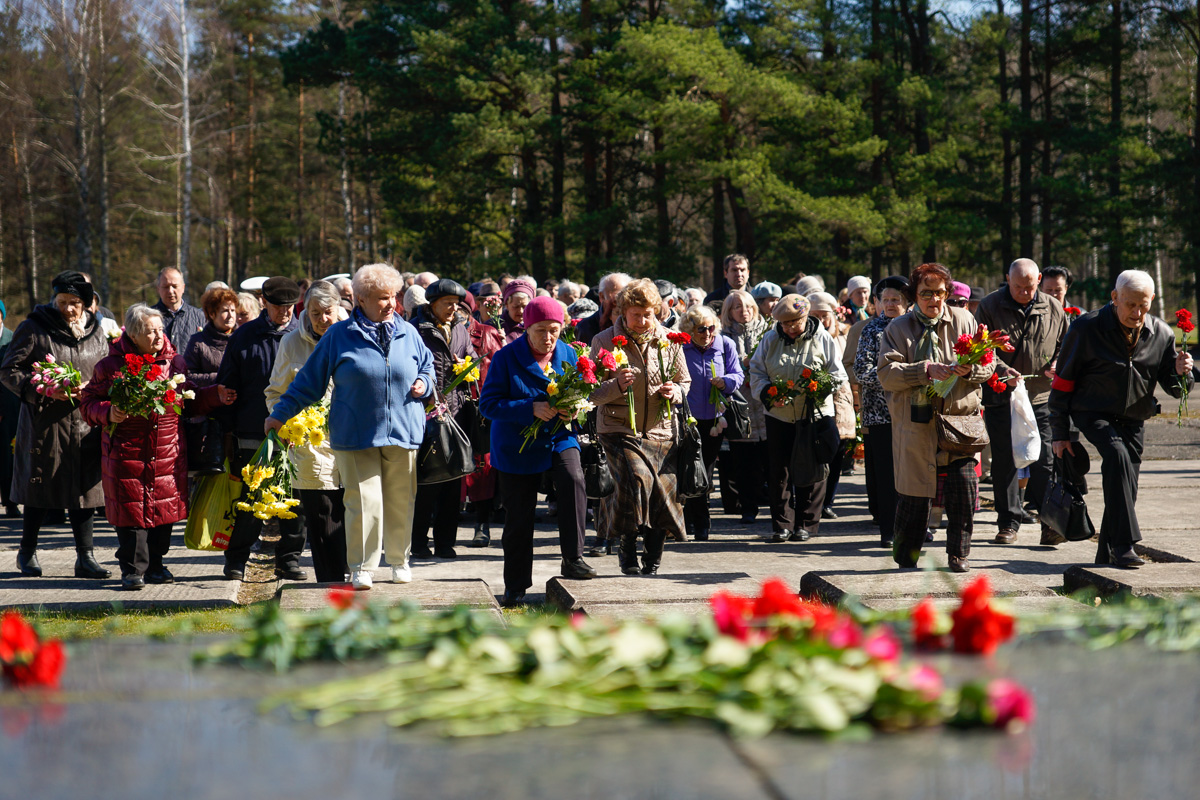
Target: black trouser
[[748, 461], [81, 526], [322, 516], [483, 511], [732, 484], [881, 478], [519, 493], [695, 509], [959, 494], [1005, 484], [1120, 444], [437, 504], [141, 550], [247, 528], [807, 501], [841, 455]]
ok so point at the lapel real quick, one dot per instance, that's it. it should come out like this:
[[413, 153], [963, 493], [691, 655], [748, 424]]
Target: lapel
[[525, 358]]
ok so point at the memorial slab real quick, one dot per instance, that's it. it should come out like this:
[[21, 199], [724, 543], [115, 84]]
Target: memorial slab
[[574, 595], [1153, 580], [432, 595], [836, 587]]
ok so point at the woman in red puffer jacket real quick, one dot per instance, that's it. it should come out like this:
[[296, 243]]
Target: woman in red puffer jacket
[[144, 459]]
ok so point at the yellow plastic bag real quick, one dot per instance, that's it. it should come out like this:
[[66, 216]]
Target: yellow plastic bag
[[211, 512]]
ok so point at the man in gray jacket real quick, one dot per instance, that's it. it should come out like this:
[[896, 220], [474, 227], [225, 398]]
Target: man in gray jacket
[[1035, 323]]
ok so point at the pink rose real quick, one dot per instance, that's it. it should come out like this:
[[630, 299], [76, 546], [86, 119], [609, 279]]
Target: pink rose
[[50, 357], [1014, 707], [882, 645]]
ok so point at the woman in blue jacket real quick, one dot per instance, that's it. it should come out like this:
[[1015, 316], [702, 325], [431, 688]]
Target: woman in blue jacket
[[514, 396], [382, 373]]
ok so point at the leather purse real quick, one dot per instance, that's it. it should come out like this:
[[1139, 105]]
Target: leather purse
[[597, 477], [1063, 508], [691, 474], [445, 453], [737, 414], [961, 434]]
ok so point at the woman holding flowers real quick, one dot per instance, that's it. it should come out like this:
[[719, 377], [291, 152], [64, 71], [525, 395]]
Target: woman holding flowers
[[917, 359], [712, 363], [535, 389], [316, 483], [796, 354], [137, 395], [636, 425], [743, 325]]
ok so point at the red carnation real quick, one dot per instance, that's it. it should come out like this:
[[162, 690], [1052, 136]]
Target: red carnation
[[729, 613], [574, 322], [924, 626], [585, 364], [170, 397], [620, 341], [963, 345], [45, 669], [1073, 311], [987, 357], [680, 338], [17, 637], [979, 628], [1184, 318], [341, 597], [606, 359], [776, 598], [998, 386]]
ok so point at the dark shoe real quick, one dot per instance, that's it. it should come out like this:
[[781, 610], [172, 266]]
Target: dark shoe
[[132, 582], [28, 564], [160, 575], [445, 552], [11, 510], [483, 537], [652, 550], [702, 535], [234, 573], [1025, 518], [827, 513], [422, 552], [959, 564], [799, 535], [747, 520], [776, 537], [1129, 560], [1051, 537], [577, 569], [512, 599], [609, 547], [598, 548], [886, 541], [627, 554], [86, 566], [1005, 536], [929, 534], [290, 572]]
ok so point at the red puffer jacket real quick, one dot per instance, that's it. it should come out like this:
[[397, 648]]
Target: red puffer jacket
[[143, 460]]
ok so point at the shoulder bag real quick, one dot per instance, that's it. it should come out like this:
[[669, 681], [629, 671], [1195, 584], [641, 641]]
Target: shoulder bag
[[815, 441], [960, 434], [737, 414], [445, 453], [692, 476], [597, 477], [1063, 508]]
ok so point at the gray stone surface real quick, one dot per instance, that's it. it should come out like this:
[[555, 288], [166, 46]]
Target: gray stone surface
[[431, 594], [647, 610], [836, 587], [1159, 580], [1019, 606]]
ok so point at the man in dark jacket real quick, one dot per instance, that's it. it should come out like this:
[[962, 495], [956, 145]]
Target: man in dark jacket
[[1035, 323], [1104, 383], [609, 287], [180, 320], [246, 369], [737, 276]]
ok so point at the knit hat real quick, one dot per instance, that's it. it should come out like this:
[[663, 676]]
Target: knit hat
[[469, 301], [415, 296], [960, 290], [809, 284], [766, 289], [444, 288], [281, 291], [72, 282], [822, 301], [897, 282], [582, 308], [791, 307], [518, 285], [858, 282], [541, 309]]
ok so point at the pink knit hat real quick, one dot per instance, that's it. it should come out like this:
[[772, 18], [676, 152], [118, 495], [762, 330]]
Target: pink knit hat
[[541, 309], [518, 286]]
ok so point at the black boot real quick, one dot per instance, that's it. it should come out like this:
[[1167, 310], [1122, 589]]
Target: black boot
[[28, 564], [86, 566], [627, 553], [652, 551]]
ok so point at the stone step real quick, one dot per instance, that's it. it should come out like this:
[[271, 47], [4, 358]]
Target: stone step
[[835, 587], [1152, 580], [1029, 605], [433, 595]]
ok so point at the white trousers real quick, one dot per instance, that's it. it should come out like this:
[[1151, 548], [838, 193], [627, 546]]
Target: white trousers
[[381, 488]]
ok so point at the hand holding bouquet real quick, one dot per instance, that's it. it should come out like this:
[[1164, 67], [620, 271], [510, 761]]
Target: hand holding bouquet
[[568, 395], [268, 479], [622, 362], [1184, 319], [143, 388], [56, 379], [671, 338], [972, 350]]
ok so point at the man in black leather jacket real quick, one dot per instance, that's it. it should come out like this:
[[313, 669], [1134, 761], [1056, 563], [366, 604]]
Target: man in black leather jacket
[[1104, 383]]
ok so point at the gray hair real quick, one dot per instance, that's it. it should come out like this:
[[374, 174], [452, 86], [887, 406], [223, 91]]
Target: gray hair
[[424, 279], [1025, 265], [323, 294], [608, 280], [567, 287], [248, 302], [697, 315], [414, 297], [136, 317], [342, 283], [214, 285], [375, 278], [694, 296], [1135, 280]]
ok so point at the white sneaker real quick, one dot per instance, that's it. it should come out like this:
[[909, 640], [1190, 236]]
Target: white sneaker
[[361, 579], [402, 574]]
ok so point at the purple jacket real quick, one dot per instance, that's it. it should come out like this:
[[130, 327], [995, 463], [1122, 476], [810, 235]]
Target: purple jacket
[[723, 353]]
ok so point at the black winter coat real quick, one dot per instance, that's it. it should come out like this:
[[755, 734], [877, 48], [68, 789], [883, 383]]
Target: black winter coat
[[203, 355], [246, 368], [445, 354]]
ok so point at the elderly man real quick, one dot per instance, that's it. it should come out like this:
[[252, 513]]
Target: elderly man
[[1104, 383], [180, 320], [610, 286], [568, 292], [1035, 323], [424, 279], [345, 290], [246, 369], [737, 276]]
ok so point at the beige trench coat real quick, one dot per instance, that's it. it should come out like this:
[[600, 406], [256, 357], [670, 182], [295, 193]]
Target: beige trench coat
[[915, 454], [612, 408]]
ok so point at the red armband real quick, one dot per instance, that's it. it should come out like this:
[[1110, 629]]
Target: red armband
[[1062, 384]]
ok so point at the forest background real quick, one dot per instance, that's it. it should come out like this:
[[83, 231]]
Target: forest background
[[569, 138]]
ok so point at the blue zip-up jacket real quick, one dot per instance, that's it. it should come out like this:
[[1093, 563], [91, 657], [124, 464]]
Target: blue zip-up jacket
[[372, 403], [514, 383], [723, 352]]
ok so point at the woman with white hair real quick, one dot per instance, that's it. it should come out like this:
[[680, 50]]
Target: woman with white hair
[[317, 483], [382, 375]]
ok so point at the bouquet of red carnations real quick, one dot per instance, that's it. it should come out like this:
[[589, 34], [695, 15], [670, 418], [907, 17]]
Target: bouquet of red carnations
[[1072, 312], [52, 375], [143, 388], [569, 391], [977, 349]]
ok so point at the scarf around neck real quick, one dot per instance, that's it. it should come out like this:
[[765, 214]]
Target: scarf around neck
[[381, 332], [927, 349]]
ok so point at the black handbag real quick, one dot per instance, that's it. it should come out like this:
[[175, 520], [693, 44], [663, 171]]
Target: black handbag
[[1063, 508], [737, 415], [815, 443], [205, 447], [477, 427], [597, 477], [445, 453], [691, 474]]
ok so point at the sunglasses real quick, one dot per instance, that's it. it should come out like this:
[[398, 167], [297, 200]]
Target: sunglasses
[[960, 302], [706, 328], [933, 294]]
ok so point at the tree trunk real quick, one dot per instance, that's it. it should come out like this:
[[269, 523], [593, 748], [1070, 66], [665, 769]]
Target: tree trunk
[[183, 258], [743, 223], [252, 227], [1116, 232], [610, 236], [918, 34], [300, 188], [534, 221], [590, 156], [1025, 151], [347, 211], [102, 146], [558, 160], [1007, 255], [719, 246], [29, 251], [1047, 176], [877, 119], [661, 211]]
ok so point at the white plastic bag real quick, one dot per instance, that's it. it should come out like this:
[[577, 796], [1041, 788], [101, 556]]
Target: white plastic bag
[[1026, 443]]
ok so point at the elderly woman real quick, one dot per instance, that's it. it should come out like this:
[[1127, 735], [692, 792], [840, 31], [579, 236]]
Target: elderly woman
[[516, 295], [642, 452], [892, 302], [249, 308], [824, 308], [915, 350], [206, 348], [712, 363], [798, 342], [382, 375], [144, 458], [450, 343], [317, 484], [480, 486], [743, 325], [59, 466], [515, 396]]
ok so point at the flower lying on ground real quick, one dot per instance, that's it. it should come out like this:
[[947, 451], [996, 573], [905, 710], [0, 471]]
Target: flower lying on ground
[[25, 660], [974, 627]]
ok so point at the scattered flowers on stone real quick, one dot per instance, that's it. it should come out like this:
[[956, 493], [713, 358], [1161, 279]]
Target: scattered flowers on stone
[[25, 660]]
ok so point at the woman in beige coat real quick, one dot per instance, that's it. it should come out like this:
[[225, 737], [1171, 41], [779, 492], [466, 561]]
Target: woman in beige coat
[[643, 460], [915, 350], [317, 484]]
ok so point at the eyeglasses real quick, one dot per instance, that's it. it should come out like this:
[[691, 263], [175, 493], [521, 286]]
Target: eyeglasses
[[706, 328], [932, 294], [960, 302]]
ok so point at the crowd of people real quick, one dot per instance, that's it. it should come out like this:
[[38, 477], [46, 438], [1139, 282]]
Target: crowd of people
[[884, 365]]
